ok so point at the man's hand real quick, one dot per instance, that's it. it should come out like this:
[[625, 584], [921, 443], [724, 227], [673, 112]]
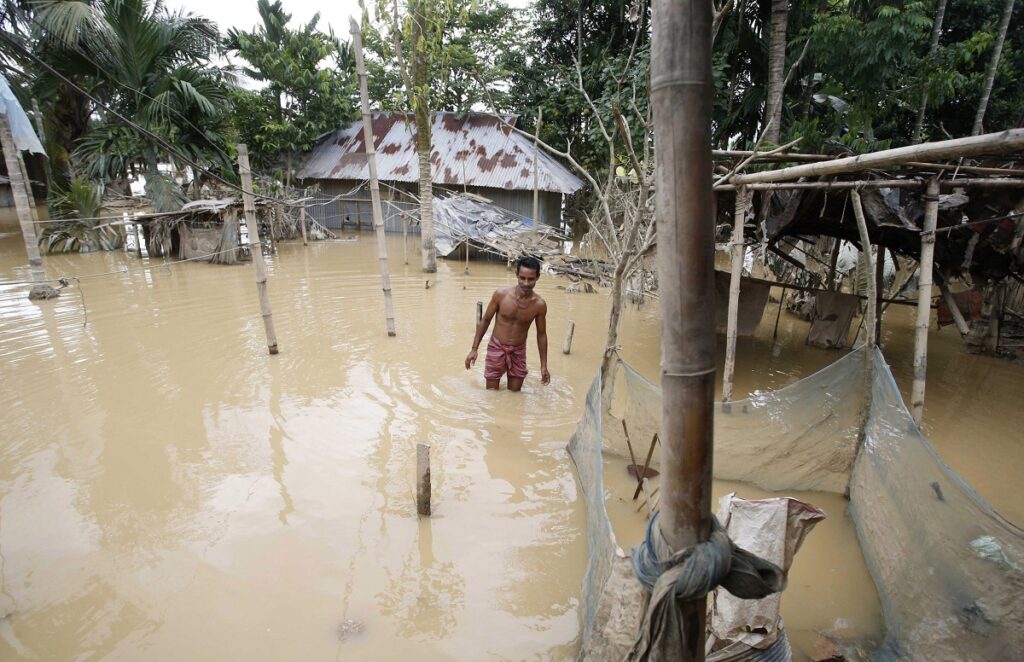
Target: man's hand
[[470, 359], [545, 376]]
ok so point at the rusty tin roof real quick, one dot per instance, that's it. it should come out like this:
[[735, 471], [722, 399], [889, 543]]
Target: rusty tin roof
[[474, 149]]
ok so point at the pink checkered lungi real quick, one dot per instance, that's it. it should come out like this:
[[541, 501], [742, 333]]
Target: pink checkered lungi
[[503, 358]]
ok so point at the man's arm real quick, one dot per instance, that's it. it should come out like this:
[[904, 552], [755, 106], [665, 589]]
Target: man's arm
[[542, 342], [482, 327]]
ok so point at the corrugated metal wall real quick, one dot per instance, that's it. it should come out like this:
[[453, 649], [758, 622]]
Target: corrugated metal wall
[[355, 207]]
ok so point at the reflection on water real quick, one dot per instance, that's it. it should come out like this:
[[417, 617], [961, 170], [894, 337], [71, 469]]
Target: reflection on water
[[170, 491]]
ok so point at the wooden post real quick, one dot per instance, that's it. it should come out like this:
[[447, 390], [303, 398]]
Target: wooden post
[[138, 238], [256, 249], [302, 224], [954, 310], [479, 312], [359, 214], [405, 238], [865, 249], [569, 330], [924, 299], [742, 203], [36, 228], [423, 479], [536, 173], [879, 291], [682, 92], [994, 319], [371, 161], [22, 204], [833, 281]]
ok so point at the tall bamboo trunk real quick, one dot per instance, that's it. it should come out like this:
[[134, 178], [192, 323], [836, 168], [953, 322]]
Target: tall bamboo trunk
[[993, 64], [371, 161], [924, 299], [681, 94], [419, 96], [940, 13]]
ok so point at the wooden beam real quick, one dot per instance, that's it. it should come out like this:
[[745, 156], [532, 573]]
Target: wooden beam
[[1011, 140]]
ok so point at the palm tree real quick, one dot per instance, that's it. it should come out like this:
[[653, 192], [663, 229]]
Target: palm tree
[[150, 64]]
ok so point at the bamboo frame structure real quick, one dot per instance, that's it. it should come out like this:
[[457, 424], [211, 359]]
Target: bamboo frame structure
[[371, 160], [865, 250], [22, 202], [743, 198], [924, 297], [845, 185], [256, 250], [681, 96]]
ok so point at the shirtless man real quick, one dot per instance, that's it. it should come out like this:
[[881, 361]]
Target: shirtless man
[[517, 308]]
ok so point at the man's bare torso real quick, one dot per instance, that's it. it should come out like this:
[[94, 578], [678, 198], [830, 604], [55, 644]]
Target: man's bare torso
[[515, 315]]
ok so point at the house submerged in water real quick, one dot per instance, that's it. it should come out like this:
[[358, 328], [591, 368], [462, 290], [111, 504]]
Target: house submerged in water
[[475, 153]]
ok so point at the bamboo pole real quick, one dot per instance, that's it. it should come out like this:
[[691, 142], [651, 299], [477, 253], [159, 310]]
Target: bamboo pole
[[845, 185], [371, 160], [567, 345], [784, 156], [138, 238], [256, 249], [681, 94], [865, 250], [423, 479], [302, 224], [536, 171], [22, 204], [1010, 140], [742, 204], [924, 299], [879, 291], [954, 309]]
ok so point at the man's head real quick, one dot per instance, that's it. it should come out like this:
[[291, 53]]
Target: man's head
[[528, 271]]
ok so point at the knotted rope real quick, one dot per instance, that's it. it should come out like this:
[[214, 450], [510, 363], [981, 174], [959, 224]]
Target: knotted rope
[[675, 577]]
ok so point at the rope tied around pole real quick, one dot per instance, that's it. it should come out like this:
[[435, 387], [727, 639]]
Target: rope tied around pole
[[674, 577]]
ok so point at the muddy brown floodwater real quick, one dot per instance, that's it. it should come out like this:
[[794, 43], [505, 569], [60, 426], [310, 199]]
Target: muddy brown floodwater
[[169, 491]]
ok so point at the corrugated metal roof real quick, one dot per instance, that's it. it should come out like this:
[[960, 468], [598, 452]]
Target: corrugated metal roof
[[474, 149]]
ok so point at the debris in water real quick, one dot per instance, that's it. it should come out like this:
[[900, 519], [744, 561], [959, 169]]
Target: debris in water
[[938, 491], [349, 628]]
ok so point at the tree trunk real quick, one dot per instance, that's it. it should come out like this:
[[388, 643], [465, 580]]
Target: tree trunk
[[990, 77], [776, 70], [940, 13], [419, 97], [614, 316]]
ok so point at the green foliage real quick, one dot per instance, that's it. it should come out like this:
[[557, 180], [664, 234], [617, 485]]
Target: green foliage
[[78, 205], [310, 84], [473, 49]]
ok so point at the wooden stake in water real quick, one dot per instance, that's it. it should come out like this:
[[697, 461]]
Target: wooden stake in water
[[302, 224], [371, 160], [423, 479], [256, 250], [569, 330], [742, 203], [22, 203]]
